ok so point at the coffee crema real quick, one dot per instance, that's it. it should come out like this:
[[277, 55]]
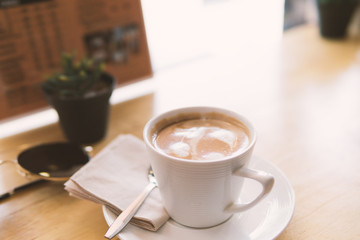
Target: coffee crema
[[202, 139]]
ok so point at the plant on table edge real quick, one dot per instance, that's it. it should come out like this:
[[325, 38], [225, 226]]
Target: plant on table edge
[[80, 94], [335, 16]]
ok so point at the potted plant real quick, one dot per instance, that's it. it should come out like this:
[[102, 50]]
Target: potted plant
[[334, 16], [80, 94]]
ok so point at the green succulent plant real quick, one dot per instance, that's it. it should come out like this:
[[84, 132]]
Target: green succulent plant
[[76, 79]]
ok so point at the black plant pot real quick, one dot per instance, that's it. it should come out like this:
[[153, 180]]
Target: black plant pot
[[334, 18], [84, 120]]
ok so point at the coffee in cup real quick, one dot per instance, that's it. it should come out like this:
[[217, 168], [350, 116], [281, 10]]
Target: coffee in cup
[[208, 137]]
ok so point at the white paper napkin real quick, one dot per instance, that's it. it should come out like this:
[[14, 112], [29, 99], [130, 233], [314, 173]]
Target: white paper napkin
[[115, 177]]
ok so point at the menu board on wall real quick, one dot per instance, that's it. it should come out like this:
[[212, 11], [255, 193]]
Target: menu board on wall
[[34, 33]]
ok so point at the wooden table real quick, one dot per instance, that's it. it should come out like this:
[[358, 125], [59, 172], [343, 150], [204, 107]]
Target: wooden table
[[302, 95]]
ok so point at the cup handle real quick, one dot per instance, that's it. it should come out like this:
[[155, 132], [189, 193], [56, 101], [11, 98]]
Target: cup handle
[[265, 179]]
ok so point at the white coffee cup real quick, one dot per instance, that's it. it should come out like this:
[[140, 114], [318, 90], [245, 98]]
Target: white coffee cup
[[203, 193]]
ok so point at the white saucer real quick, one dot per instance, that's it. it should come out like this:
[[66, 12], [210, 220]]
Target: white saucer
[[264, 221]]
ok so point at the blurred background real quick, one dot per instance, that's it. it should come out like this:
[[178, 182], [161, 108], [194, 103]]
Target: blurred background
[[177, 33]]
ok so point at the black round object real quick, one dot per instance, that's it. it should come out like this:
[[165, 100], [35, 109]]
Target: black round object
[[53, 161]]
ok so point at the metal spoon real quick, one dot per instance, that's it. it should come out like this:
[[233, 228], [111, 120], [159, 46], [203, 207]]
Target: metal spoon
[[124, 218]]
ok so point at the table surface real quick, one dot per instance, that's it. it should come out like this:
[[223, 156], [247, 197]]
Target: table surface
[[302, 95]]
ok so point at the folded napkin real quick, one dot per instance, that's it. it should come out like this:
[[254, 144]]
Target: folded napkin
[[115, 177]]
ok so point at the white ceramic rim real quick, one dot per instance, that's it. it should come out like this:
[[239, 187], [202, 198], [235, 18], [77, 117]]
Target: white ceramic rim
[[199, 109]]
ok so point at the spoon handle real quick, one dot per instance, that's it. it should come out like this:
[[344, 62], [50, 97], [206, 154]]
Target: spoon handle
[[124, 218]]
